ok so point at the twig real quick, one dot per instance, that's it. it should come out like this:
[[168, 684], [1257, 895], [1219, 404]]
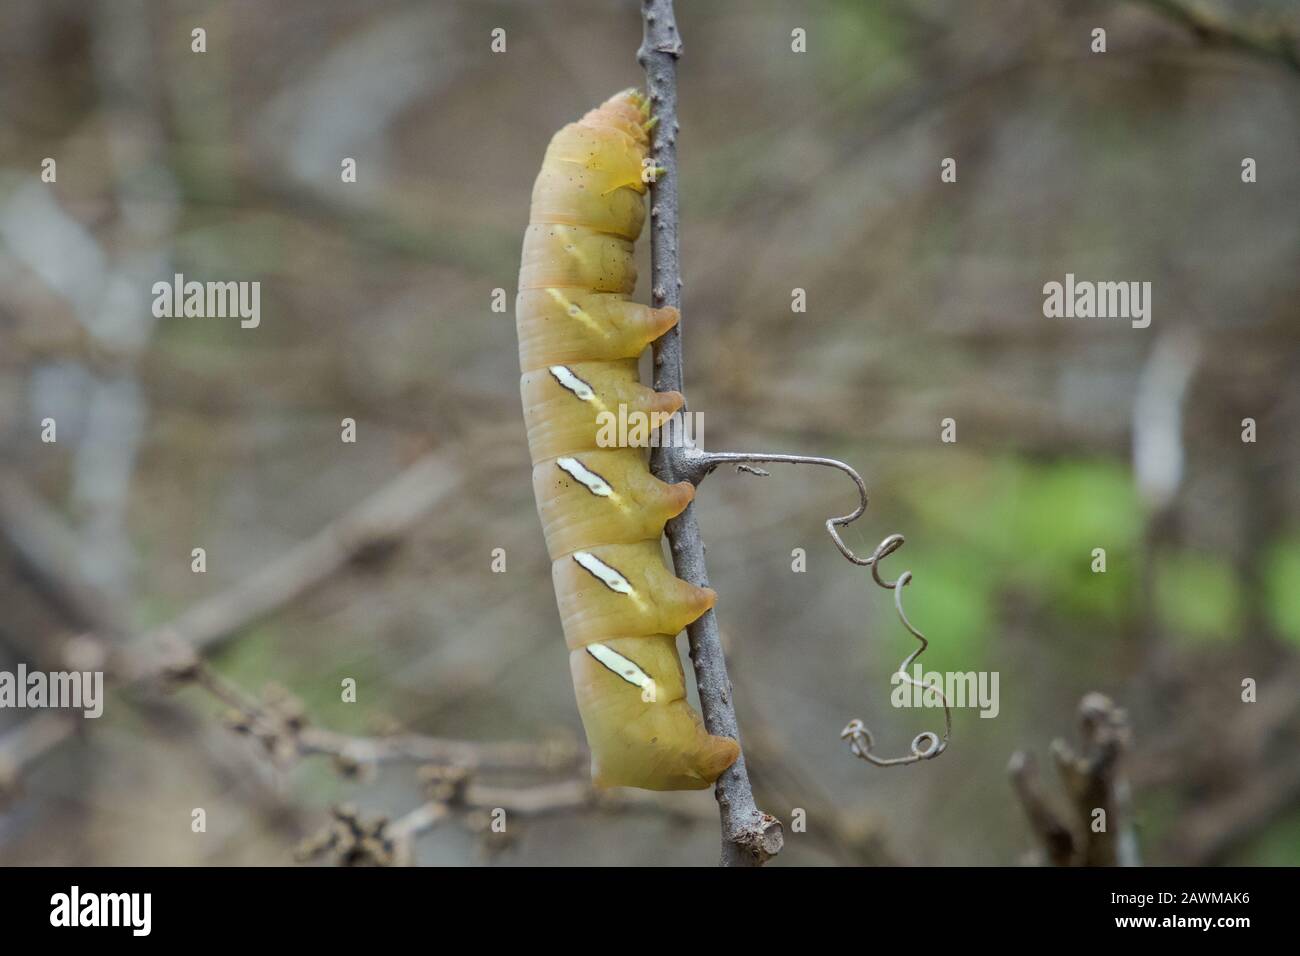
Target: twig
[[1094, 780], [750, 837], [419, 748], [845, 833], [378, 520], [354, 841], [1053, 833], [408, 827], [451, 773], [1276, 44], [1210, 748], [29, 742], [47, 550], [39, 538], [1095, 785], [1208, 834], [278, 723], [278, 720]]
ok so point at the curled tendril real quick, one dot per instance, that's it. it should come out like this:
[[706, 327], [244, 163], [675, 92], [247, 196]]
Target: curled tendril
[[927, 744]]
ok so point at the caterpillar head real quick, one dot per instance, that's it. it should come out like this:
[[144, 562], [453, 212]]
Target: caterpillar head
[[626, 111]]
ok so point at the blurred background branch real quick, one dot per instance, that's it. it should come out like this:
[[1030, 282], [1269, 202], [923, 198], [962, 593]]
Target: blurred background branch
[[1274, 42], [1098, 831]]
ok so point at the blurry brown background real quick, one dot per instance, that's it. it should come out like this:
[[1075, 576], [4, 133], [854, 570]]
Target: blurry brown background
[[818, 171]]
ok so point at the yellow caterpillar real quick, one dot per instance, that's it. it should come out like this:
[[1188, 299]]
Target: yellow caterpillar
[[602, 511]]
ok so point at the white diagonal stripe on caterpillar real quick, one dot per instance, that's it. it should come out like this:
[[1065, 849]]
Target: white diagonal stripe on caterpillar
[[593, 482], [610, 577], [564, 375], [597, 485], [627, 669]]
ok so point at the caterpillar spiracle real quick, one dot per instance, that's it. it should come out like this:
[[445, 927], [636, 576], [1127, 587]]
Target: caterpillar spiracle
[[602, 512]]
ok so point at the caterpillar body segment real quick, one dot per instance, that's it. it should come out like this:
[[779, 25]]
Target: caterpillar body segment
[[559, 326], [615, 590], [607, 495], [602, 511], [613, 699], [564, 404], [561, 256]]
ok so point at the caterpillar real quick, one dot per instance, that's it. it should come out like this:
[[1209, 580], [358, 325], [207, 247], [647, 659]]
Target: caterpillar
[[602, 512]]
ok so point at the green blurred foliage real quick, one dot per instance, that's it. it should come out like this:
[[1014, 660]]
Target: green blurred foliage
[[1282, 583], [1280, 846], [1197, 597], [1016, 524], [857, 33]]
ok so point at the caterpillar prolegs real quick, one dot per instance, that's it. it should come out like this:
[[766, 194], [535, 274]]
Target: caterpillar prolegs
[[602, 511]]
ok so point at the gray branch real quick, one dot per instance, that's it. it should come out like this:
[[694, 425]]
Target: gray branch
[[750, 837], [1276, 43], [1093, 780]]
